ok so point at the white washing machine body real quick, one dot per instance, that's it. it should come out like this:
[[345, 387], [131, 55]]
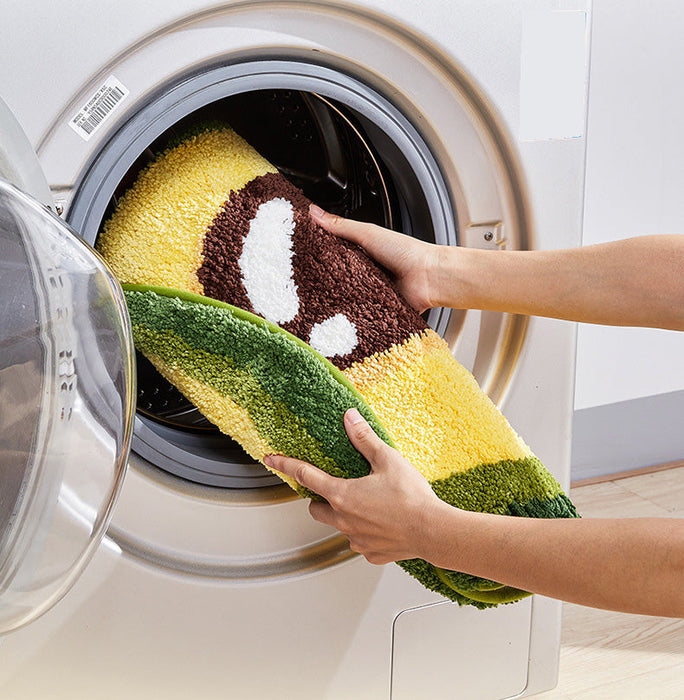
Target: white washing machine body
[[236, 592]]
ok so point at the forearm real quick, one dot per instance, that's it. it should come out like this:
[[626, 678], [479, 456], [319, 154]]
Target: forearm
[[630, 565], [635, 282]]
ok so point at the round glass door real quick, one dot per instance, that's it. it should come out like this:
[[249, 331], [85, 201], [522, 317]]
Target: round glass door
[[67, 398]]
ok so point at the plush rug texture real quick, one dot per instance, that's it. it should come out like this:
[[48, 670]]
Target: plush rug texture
[[274, 327]]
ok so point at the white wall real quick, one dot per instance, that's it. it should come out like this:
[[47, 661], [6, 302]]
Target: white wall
[[634, 182]]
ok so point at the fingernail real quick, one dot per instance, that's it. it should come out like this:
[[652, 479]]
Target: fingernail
[[353, 416], [316, 212], [268, 461]]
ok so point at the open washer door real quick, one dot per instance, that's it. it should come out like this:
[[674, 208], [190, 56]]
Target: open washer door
[[66, 391], [19, 163]]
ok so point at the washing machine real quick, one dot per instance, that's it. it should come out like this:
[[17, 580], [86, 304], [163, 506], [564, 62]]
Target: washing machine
[[455, 121]]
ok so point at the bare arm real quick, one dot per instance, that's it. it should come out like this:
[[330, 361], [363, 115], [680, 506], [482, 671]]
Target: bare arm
[[633, 282], [630, 565]]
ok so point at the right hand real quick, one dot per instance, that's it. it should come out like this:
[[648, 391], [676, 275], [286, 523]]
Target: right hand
[[388, 515], [411, 261]]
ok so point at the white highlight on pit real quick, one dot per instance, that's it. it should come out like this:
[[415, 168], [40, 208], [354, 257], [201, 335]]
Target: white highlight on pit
[[334, 336], [266, 262]]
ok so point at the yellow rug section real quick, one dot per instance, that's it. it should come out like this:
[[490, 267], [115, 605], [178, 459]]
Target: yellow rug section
[[181, 192], [432, 406]]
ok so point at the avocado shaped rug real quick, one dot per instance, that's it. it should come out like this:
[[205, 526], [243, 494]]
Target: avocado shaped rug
[[274, 327]]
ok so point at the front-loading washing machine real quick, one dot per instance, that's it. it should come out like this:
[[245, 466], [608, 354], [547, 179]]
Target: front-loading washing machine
[[451, 121]]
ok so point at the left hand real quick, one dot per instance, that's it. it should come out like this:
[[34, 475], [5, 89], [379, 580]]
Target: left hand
[[386, 514]]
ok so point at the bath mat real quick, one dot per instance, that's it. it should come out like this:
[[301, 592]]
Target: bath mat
[[273, 327]]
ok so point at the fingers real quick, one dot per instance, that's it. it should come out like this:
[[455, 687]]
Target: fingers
[[326, 514], [406, 258], [365, 440], [354, 231], [304, 474], [323, 512], [366, 235]]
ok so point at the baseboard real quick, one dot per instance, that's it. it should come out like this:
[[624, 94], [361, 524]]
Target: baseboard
[[589, 481], [628, 435]]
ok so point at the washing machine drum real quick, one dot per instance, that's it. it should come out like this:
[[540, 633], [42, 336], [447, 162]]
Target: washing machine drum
[[66, 404]]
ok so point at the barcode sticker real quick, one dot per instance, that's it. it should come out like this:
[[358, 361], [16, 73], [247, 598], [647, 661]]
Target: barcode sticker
[[98, 108]]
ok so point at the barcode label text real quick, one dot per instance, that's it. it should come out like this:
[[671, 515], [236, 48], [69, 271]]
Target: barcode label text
[[98, 108]]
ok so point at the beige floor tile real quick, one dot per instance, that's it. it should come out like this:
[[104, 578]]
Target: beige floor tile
[[582, 668], [599, 647], [612, 500], [665, 489], [664, 684], [616, 656], [556, 694], [604, 629]]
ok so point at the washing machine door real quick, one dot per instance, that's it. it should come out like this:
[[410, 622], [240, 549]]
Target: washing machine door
[[66, 392], [19, 164]]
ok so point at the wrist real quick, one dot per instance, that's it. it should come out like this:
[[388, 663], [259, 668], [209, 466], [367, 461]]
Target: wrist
[[436, 537], [454, 277]]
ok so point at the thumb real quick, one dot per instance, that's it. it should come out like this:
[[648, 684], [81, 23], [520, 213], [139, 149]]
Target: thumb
[[364, 439]]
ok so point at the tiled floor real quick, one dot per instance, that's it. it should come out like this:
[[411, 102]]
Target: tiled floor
[[615, 656]]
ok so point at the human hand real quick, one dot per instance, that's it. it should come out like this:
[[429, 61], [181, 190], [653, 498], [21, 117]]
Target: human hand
[[411, 261], [386, 514]]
